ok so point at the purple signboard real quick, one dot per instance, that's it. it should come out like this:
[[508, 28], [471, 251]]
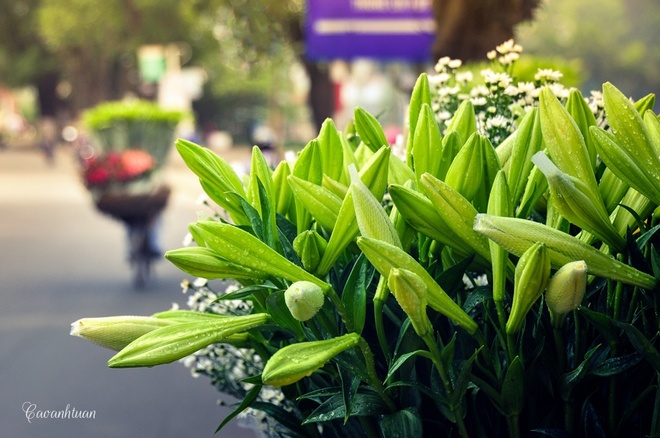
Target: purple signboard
[[380, 29]]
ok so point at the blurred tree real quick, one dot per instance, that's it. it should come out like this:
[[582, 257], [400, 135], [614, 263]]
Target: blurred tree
[[24, 59], [95, 42], [615, 40], [468, 29]]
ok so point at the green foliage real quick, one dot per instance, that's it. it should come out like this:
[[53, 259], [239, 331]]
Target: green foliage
[[371, 308]]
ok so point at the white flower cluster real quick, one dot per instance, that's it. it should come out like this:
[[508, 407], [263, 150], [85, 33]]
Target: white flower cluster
[[227, 365], [498, 99]]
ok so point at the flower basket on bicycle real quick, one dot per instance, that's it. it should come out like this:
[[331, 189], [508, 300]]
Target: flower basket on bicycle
[[132, 141]]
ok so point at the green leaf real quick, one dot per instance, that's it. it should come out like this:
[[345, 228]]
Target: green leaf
[[641, 344], [349, 384], [250, 397], [512, 397], [286, 418], [402, 424], [616, 365], [354, 295], [278, 310], [402, 359], [592, 358], [242, 248], [364, 404]]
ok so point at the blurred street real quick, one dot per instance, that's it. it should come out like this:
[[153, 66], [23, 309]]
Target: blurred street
[[61, 260]]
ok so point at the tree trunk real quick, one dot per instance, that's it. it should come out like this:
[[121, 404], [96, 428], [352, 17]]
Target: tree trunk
[[468, 29], [321, 96]]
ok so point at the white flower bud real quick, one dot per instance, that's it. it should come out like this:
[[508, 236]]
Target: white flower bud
[[304, 299]]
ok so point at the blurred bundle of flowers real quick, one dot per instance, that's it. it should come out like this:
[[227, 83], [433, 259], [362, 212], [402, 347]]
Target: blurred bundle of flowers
[[498, 98], [116, 168], [486, 282]]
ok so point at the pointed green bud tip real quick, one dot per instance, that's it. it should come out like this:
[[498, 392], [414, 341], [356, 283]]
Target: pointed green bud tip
[[531, 278], [410, 292], [304, 299], [310, 247], [566, 290], [297, 361], [115, 332]]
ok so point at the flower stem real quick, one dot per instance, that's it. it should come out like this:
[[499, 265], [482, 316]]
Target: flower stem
[[437, 361], [379, 301], [341, 309], [374, 380]]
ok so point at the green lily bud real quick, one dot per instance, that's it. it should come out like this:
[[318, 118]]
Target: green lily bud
[[565, 142], [421, 94], [612, 189], [374, 175], [525, 142], [173, 342], [634, 200], [410, 292], [243, 249], [335, 187], [372, 219], [535, 187], [518, 235], [284, 196], [464, 121], [427, 143], [332, 154], [399, 172], [296, 361], [418, 211], [116, 332], [304, 300], [499, 204], [457, 213], [566, 290], [531, 278], [573, 200], [451, 144], [386, 257], [369, 130], [205, 263], [320, 202], [309, 168], [466, 171], [579, 110], [645, 103], [653, 126], [629, 152], [310, 246], [628, 167]]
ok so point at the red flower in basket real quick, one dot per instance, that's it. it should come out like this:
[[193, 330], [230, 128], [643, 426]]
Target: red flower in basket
[[117, 167], [133, 163]]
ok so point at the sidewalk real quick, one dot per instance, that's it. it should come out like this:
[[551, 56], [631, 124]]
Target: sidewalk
[[61, 260]]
